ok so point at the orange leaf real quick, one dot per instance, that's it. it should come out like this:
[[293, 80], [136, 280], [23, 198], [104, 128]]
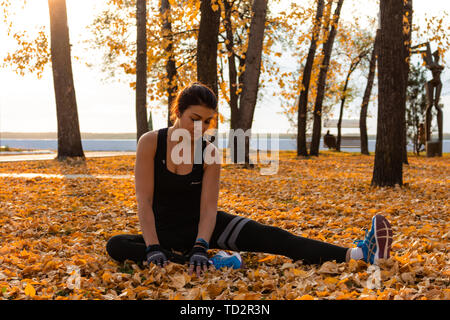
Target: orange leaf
[[268, 258], [106, 277], [331, 280]]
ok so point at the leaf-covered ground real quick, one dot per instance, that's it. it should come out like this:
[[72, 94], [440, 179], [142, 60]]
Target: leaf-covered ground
[[53, 232]]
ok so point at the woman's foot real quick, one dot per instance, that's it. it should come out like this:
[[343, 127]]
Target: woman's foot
[[377, 242]]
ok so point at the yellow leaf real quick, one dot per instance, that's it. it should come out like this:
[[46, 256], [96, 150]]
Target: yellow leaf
[[305, 297], [30, 291]]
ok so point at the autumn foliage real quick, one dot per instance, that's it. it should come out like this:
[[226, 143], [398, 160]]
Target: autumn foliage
[[54, 232]]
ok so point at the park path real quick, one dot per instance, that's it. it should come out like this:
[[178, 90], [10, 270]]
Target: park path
[[63, 176], [51, 156]]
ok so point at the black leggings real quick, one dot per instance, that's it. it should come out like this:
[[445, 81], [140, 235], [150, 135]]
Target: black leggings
[[237, 233]]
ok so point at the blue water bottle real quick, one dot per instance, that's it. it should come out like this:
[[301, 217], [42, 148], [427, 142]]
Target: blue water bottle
[[223, 259]]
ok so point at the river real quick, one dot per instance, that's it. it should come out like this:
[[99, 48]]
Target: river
[[130, 144]]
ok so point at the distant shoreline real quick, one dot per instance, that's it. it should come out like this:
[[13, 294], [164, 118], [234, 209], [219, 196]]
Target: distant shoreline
[[114, 136], [132, 135], [53, 135]]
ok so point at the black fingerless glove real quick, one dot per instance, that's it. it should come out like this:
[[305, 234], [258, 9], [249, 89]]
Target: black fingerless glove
[[156, 255], [198, 257]]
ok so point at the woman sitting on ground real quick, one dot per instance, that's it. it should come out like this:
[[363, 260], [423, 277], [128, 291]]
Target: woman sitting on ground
[[177, 205]]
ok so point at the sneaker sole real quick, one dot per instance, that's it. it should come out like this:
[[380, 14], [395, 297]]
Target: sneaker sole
[[383, 237]]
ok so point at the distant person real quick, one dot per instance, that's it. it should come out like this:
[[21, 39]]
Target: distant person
[[329, 140], [177, 206]]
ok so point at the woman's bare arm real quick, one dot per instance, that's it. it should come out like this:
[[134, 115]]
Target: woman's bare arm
[[209, 198], [144, 182]]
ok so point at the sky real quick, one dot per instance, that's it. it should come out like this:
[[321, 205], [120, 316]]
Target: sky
[[27, 104]]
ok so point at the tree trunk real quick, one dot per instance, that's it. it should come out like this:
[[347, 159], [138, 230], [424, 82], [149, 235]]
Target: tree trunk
[[366, 97], [141, 69], [303, 99], [388, 164], [327, 49], [232, 72], [233, 78], [250, 78], [69, 137], [407, 11], [353, 65], [341, 111], [207, 47], [150, 121], [171, 69]]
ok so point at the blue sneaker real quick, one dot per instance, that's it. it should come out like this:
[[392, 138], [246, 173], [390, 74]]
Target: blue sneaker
[[377, 242], [223, 259]]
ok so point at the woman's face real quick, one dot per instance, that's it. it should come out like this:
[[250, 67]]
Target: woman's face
[[193, 114]]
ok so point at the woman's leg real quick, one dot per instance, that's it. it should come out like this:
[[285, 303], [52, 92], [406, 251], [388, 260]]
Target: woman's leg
[[126, 247], [242, 234], [132, 247]]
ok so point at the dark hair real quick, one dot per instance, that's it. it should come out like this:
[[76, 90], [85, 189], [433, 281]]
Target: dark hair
[[193, 94]]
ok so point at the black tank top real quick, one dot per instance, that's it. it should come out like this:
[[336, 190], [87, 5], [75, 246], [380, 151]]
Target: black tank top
[[176, 199]]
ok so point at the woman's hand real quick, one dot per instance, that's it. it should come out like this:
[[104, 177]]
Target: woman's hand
[[155, 255], [198, 259]]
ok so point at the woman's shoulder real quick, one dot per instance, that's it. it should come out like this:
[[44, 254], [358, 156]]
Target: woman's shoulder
[[149, 137], [148, 142]]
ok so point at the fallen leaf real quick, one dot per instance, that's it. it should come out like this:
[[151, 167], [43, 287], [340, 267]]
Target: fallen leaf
[[328, 267], [29, 290], [268, 258]]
